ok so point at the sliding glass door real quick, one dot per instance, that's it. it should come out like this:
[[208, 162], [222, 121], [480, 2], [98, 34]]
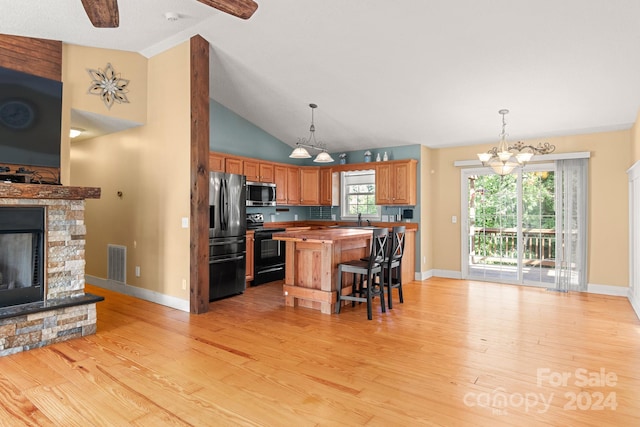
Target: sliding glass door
[[509, 226]]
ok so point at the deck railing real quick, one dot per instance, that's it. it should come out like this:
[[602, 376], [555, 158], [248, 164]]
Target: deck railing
[[500, 246]]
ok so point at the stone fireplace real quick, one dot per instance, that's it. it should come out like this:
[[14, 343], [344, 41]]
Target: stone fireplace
[[50, 257]]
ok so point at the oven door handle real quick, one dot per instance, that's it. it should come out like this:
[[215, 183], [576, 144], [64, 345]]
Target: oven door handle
[[228, 241], [226, 259], [270, 270]]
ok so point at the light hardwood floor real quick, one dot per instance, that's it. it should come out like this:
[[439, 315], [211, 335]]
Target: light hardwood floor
[[456, 353]]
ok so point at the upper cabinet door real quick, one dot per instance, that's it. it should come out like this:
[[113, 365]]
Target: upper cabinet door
[[404, 183], [216, 162], [266, 172], [251, 171], [293, 185], [326, 186], [383, 184], [234, 166], [310, 186], [280, 179]]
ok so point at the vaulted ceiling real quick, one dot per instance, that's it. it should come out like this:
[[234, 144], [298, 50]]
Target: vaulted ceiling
[[383, 73]]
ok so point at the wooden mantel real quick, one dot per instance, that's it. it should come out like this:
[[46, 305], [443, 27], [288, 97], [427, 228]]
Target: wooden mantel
[[43, 191]]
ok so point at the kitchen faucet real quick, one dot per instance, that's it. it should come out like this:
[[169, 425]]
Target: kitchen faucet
[[359, 219]]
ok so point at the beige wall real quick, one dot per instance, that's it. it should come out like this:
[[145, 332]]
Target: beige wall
[[608, 203], [76, 80], [149, 164]]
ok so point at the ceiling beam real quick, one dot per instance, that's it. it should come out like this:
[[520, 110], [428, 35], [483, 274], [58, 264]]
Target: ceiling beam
[[243, 9], [102, 13]]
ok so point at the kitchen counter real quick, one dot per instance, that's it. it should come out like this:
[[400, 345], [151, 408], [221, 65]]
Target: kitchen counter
[[322, 235], [312, 264]]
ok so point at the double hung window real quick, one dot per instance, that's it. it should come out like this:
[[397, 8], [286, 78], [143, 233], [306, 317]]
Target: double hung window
[[359, 195]]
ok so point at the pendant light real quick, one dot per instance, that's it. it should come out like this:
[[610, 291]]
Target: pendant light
[[300, 152]]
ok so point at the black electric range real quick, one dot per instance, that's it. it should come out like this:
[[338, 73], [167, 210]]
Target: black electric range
[[255, 221], [269, 254]]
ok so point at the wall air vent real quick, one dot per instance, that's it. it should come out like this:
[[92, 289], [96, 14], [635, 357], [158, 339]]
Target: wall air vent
[[117, 263]]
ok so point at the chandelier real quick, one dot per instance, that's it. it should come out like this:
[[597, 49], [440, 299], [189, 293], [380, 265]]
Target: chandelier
[[504, 158], [300, 152]]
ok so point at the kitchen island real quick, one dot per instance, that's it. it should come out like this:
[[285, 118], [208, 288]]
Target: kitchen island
[[312, 259]]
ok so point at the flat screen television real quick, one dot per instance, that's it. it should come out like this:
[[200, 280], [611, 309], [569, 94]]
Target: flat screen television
[[30, 119]]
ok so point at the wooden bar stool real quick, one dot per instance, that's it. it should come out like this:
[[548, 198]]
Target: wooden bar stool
[[393, 263], [369, 270]]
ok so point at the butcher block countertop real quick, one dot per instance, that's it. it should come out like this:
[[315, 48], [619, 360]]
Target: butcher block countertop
[[325, 235]]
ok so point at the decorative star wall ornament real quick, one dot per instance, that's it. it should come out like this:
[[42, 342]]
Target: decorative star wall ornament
[[109, 86]]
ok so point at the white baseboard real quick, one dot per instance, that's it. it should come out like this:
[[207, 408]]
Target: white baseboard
[[134, 291], [616, 291], [447, 274], [422, 275], [635, 302]]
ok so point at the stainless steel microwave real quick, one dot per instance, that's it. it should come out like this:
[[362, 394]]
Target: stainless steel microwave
[[261, 194]]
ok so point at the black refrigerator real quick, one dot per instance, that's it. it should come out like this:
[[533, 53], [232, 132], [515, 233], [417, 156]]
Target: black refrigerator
[[227, 235]]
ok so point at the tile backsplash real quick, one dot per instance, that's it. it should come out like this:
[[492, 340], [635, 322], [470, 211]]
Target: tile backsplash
[[320, 212]]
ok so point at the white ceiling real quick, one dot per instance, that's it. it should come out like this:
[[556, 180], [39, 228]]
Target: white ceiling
[[386, 73]]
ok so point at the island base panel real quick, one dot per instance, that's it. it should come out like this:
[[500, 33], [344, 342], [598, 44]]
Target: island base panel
[[295, 296]]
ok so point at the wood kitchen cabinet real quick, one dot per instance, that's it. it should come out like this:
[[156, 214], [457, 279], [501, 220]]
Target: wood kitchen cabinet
[[326, 187], [310, 186], [280, 179], [297, 185], [293, 186], [287, 180], [216, 162], [259, 171], [233, 165], [250, 258], [383, 184], [396, 182]]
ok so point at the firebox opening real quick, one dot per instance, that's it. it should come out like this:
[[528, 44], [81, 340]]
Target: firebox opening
[[21, 255]]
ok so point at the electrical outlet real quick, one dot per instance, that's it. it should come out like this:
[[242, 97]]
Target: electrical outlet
[[185, 222], [184, 284], [137, 271], [454, 219]]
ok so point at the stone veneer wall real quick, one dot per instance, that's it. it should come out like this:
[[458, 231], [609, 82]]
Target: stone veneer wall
[[65, 243]]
